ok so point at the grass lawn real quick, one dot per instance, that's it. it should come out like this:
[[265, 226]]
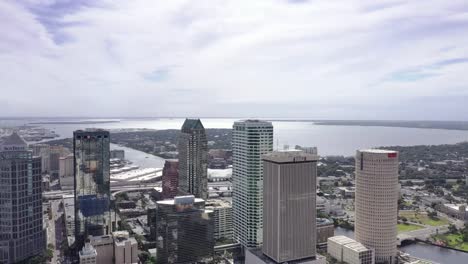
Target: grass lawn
[[424, 219], [454, 240], [407, 227]]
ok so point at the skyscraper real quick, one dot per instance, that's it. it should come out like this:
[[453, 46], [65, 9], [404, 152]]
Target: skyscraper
[[184, 232], [193, 159], [376, 202], [289, 210], [170, 179], [250, 140], [92, 184], [21, 229]]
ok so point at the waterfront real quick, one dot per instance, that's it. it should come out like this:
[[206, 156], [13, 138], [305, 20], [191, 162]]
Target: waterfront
[[330, 140], [140, 158], [421, 250]]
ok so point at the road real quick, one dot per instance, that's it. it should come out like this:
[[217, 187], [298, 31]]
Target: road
[[55, 232]]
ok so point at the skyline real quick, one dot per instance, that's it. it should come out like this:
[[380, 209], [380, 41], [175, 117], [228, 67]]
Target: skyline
[[395, 60]]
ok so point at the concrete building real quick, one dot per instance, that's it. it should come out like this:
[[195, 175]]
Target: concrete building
[[347, 250], [347, 192], [325, 230], [323, 205], [376, 203], [125, 248], [88, 254], [289, 209], [193, 159], [43, 151], [92, 184], [184, 232], [66, 172], [170, 179], [255, 256], [222, 218], [250, 140], [458, 211], [21, 216], [104, 246]]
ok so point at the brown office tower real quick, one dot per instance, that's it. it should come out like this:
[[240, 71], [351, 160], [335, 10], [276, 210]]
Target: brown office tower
[[289, 210], [170, 179]]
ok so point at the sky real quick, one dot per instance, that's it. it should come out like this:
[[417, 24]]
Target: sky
[[354, 59]]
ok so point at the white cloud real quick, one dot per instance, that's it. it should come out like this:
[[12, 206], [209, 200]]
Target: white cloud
[[317, 59]]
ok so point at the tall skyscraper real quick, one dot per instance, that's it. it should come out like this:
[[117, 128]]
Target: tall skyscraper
[[289, 210], [250, 140], [184, 232], [193, 159], [170, 179], [21, 229], [376, 202], [92, 184]]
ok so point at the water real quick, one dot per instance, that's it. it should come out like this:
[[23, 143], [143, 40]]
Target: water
[[421, 250], [140, 158], [330, 140]]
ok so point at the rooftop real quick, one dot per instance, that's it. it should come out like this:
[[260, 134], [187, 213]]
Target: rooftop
[[214, 203], [287, 156], [456, 206], [342, 240], [192, 124], [356, 246]]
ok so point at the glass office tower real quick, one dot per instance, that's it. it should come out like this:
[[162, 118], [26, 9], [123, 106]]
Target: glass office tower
[[92, 184]]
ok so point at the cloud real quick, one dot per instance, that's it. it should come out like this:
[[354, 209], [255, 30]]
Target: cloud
[[231, 57]]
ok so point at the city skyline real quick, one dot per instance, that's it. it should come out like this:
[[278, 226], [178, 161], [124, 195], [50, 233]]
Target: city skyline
[[394, 59]]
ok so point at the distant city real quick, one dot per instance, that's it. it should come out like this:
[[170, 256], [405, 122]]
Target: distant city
[[219, 195]]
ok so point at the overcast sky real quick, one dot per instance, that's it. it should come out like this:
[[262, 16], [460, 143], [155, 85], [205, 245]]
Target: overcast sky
[[273, 58]]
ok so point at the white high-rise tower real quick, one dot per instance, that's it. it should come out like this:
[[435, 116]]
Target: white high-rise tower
[[376, 202], [250, 140]]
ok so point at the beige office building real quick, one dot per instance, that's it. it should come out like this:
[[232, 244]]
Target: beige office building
[[88, 254], [289, 209], [125, 248], [347, 250], [376, 202]]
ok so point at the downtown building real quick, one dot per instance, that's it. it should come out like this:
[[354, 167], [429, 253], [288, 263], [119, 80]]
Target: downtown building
[[376, 202], [21, 217], [289, 206], [184, 231], [170, 179], [92, 184], [193, 159], [250, 140]]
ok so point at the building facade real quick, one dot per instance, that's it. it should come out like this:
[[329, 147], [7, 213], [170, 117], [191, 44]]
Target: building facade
[[347, 250], [289, 209], [193, 159], [325, 230], [250, 140], [88, 255], [184, 232], [170, 179], [92, 184], [66, 172], [104, 246], [125, 248], [222, 218], [21, 228], [376, 203]]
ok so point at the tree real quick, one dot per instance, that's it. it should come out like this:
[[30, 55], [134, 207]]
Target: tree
[[404, 219], [432, 214], [452, 229]]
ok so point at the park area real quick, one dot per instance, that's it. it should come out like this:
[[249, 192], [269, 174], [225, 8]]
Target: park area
[[407, 228], [452, 240], [423, 218]]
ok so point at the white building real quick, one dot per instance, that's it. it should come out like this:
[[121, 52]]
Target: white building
[[88, 254], [222, 217], [250, 140], [347, 250], [376, 202], [125, 248], [458, 211]]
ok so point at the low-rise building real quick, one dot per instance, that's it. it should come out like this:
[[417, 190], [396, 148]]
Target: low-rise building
[[222, 217], [325, 229], [104, 246], [458, 211], [125, 248], [347, 250], [88, 255], [255, 256], [347, 192]]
